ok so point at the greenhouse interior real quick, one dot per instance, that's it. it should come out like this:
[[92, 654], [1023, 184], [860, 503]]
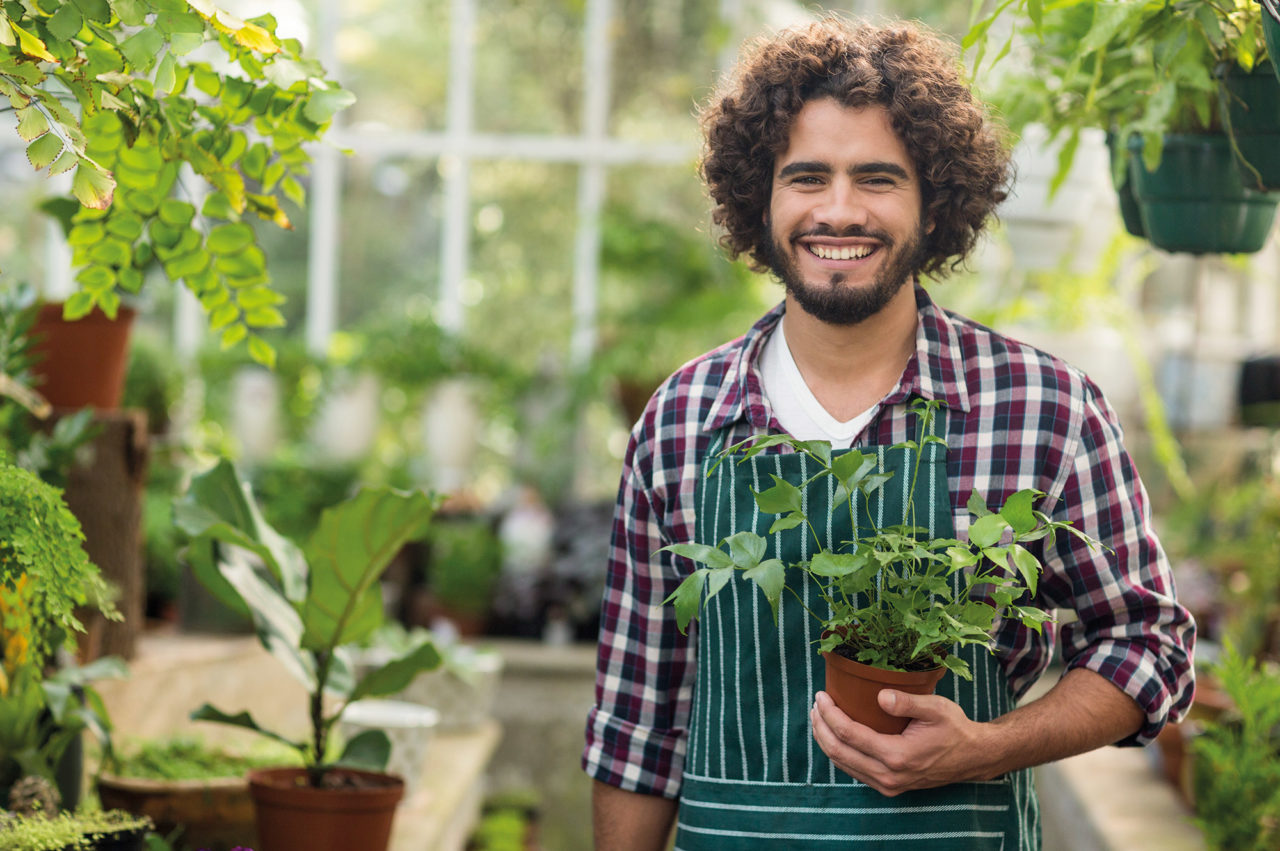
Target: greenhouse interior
[[391, 290]]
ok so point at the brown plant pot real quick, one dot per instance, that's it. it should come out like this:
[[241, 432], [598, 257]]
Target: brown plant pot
[[81, 363], [214, 814], [293, 816], [855, 688]]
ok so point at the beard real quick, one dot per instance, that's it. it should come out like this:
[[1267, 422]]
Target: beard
[[841, 305]]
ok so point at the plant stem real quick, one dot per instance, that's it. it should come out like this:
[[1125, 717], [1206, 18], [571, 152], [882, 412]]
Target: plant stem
[[315, 770]]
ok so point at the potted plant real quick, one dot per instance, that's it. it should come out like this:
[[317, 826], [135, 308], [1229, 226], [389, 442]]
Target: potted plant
[[895, 618], [1155, 76], [188, 788], [310, 604], [83, 830], [463, 563], [45, 575]]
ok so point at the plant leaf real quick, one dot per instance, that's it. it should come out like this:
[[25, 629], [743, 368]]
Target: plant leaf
[[1028, 566], [834, 564], [746, 549], [687, 597], [368, 749], [782, 498], [986, 531], [701, 553], [92, 186], [771, 577], [1018, 512], [44, 150], [977, 506], [396, 675], [350, 548], [208, 712]]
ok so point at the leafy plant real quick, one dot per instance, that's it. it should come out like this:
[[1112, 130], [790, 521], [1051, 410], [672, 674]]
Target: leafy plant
[[1145, 67], [189, 758], [1237, 759], [466, 557], [309, 603], [892, 604], [67, 831], [126, 93]]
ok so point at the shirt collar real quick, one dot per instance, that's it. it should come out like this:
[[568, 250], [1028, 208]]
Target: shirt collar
[[935, 371]]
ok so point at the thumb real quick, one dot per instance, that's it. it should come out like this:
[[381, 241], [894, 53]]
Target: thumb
[[898, 703]]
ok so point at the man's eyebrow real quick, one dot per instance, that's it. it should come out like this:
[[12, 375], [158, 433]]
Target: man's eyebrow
[[804, 167], [879, 168]]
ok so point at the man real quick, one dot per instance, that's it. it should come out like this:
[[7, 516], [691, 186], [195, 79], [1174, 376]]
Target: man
[[848, 160]]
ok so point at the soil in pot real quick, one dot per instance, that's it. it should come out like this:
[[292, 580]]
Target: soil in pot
[[352, 812], [855, 687]]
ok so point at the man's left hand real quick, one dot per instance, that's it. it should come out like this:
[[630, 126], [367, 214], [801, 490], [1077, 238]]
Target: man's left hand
[[940, 745]]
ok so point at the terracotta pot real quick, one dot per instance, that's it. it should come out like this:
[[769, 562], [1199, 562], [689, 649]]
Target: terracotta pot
[[81, 363], [214, 814], [292, 815], [854, 687]]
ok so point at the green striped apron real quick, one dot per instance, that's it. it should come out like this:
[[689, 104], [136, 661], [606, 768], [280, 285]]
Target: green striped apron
[[753, 776]]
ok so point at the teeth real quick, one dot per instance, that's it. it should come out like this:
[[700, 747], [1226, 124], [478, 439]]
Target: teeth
[[827, 252]]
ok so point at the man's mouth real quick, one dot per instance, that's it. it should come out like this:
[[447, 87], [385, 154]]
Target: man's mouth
[[840, 252]]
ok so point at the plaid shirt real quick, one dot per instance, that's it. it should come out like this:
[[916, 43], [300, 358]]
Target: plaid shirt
[[1017, 418]]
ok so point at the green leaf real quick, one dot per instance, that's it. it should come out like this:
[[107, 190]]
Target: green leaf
[[96, 279], [323, 105], [43, 151], [32, 123], [347, 554], [206, 712], [176, 213], [1028, 566], [95, 10], [132, 13], [787, 521], [783, 497], [701, 553], [86, 233], [125, 225], [1018, 512], [140, 49], [687, 597], [92, 186], [261, 351], [188, 264], [977, 506], [78, 305], [233, 335], [368, 750], [833, 564], [264, 317], [395, 675], [771, 577], [111, 252], [216, 206], [746, 549], [66, 22], [230, 238], [986, 531], [166, 74]]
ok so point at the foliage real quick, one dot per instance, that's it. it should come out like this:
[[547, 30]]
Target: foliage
[[892, 604], [309, 603], [1146, 67], [1237, 767], [67, 831], [294, 491], [44, 571], [466, 557], [189, 758], [161, 84]]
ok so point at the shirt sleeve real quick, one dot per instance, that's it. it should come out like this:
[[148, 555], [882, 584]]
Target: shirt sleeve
[[1130, 628], [636, 731]]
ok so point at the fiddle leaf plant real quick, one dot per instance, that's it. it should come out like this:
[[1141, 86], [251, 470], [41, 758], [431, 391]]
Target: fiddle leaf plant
[[310, 604], [896, 598]]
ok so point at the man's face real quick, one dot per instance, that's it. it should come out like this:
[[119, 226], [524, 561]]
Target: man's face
[[844, 215]]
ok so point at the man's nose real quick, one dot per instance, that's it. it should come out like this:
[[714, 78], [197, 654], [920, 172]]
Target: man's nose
[[841, 207]]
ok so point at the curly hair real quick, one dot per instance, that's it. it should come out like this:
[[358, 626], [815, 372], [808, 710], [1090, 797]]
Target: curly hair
[[961, 157]]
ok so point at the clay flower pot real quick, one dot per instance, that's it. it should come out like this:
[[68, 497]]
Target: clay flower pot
[[214, 814], [855, 688], [292, 815], [83, 362]]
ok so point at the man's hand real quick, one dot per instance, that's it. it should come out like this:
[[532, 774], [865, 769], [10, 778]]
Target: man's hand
[[940, 745]]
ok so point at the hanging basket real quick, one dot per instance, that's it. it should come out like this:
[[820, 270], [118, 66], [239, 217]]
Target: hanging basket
[[1130, 213], [1252, 112], [1271, 30], [1195, 201]]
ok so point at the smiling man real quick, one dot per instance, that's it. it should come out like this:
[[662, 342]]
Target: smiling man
[[850, 161]]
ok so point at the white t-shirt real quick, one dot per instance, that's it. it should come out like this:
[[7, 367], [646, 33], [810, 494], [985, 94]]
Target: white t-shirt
[[798, 411]]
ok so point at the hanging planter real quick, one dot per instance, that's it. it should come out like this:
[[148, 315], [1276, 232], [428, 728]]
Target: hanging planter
[[1195, 201], [1130, 212], [82, 362], [1252, 114], [1271, 30]]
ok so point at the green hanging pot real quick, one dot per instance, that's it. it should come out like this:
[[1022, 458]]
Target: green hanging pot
[[1195, 201], [1271, 29], [1130, 214], [1252, 113]]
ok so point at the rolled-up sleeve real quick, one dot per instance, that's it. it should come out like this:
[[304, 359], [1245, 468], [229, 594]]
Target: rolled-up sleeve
[[1130, 628], [636, 731]]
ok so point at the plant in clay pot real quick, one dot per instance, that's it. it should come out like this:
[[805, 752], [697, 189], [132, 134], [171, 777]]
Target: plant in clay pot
[[891, 597], [310, 606]]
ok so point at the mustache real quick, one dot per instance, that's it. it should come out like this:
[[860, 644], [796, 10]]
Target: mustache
[[851, 231]]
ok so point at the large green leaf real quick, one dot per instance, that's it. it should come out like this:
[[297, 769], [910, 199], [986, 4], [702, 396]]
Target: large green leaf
[[218, 506], [208, 712], [347, 553], [275, 620], [368, 749]]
